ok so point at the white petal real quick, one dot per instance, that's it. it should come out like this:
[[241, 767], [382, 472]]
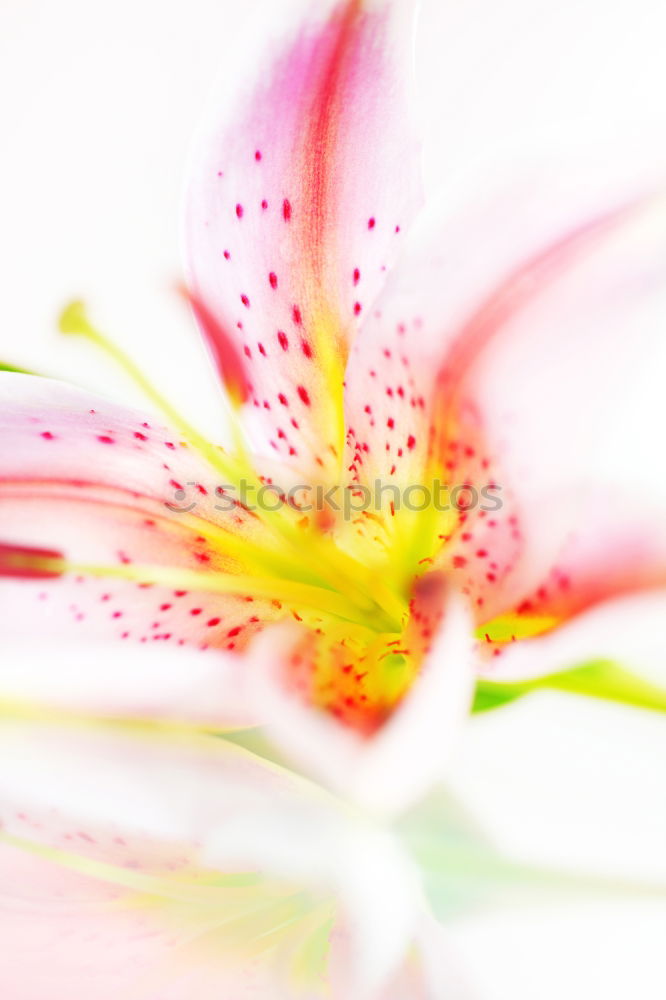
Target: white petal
[[395, 767], [628, 630], [170, 684]]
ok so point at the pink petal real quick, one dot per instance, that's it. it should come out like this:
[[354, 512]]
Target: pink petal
[[101, 485], [147, 823], [394, 767], [75, 936], [558, 276], [299, 194], [458, 262], [602, 543], [145, 803], [68, 935], [626, 629]]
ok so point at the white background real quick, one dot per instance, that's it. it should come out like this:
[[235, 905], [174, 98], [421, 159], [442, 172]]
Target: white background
[[99, 101]]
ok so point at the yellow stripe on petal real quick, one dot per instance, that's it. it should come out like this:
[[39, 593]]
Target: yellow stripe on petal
[[506, 628]]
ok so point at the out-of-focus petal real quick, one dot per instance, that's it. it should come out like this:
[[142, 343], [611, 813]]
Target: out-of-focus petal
[[76, 936], [209, 851], [602, 547], [115, 795], [627, 630], [570, 789], [293, 215], [364, 864], [395, 766], [174, 685]]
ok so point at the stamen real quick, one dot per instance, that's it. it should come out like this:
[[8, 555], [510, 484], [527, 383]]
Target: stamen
[[298, 594], [334, 568], [74, 320], [29, 563]]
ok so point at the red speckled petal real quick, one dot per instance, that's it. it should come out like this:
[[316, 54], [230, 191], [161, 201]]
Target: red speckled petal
[[588, 325], [626, 629], [602, 543], [506, 335], [101, 484], [299, 195]]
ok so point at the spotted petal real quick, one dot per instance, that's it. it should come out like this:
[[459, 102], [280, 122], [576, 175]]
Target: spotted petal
[[93, 484], [298, 198], [562, 270], [178, 875]]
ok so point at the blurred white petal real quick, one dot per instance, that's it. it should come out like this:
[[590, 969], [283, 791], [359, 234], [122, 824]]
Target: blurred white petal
[[389, 770]]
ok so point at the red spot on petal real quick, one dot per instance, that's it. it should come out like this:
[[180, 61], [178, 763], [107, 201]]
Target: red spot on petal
[[357, 308], [283, 341], [371, 223], [307, 350], [105, 439], [257, 155], [411, 441], [213, 621], [48, 436], [239, 211], [296, 315], [357, 276], [286, 210], [245, 301], [303, 393], [282, 398], [272, 277]]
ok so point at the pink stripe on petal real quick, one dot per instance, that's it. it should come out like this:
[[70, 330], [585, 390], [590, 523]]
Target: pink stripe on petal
[[144, 501], [225, 350], [337, 85], [499, 368]]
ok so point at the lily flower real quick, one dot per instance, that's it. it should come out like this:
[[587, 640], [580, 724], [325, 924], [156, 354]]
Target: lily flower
[[410, 402], [167, 865]]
